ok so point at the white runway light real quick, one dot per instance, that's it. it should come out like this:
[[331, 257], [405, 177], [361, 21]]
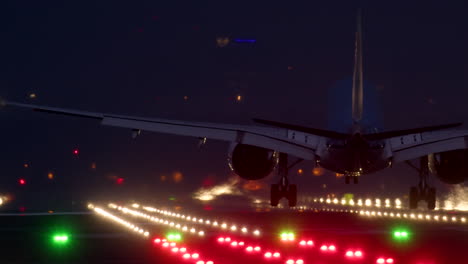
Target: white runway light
[[233, 227]]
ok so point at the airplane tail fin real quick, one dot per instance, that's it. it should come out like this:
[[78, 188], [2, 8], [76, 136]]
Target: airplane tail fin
[[357, 93]]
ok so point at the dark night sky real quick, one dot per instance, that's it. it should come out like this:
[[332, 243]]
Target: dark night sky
[[142, 58]]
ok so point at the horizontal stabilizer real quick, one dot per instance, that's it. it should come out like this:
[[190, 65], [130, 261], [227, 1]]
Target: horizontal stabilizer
[[396, 133], [314, 131]]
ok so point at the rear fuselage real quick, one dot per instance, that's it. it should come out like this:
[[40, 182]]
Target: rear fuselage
[[354, 156]]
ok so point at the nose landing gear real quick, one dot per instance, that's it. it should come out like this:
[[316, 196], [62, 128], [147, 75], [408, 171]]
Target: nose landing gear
[[283, 189]]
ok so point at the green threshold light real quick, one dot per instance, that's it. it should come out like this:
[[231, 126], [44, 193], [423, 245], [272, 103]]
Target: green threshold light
[[174, 237], [60, 239], [401, 234]]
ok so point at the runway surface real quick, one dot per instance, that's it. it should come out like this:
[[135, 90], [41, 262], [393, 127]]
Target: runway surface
[[142, 233]]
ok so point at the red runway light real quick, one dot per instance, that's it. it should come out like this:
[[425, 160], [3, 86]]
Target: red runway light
[[290, 261], [120, 181], [257, 248], [268, 255], [175, 250], [221, 239], [324, 248], [303, 243], [76, 151], [380, 261], [22, 181], [299, 261], [234, 244], [349, 254], [276, 255], [157, 240], [195, 255], [182, 250], [186, 256], [358, 254], [227, 239], [310, 243], [389, 261]]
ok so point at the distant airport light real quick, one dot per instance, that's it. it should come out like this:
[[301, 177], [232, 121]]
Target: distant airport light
[[22, 181], [240, 40], [119, 181], [76, 152]]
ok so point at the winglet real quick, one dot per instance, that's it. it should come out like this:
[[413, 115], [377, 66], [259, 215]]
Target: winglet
[[357, 94]]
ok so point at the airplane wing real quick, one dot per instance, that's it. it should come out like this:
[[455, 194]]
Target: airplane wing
[[279, 139], [411, 146]]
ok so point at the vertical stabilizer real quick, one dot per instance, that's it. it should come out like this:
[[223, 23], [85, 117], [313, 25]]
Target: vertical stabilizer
[[357, 94]]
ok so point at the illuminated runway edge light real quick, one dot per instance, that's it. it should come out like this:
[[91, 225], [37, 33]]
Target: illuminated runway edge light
[[235, 228], [184, 228], [120, 221], [436, 216], [428, 217], [374, 202], [183, 251]]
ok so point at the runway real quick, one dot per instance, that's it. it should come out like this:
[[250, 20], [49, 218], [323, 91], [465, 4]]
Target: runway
[[149, 233]]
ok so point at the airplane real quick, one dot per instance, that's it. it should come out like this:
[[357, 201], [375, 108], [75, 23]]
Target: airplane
[[257, 150]]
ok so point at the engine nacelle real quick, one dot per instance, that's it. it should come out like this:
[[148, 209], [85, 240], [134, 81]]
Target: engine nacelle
[[451, 166], [251, 162]]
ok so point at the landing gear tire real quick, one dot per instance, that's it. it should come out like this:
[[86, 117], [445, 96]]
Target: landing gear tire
[[413, 198], [275, 195], [292, 195], [431, 199], [355, 179]]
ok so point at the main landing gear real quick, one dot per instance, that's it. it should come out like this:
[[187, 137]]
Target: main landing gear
[[423, 191], [354, 177], [283, 189]]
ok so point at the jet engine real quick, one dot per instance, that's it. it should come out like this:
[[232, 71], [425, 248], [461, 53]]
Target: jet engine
[[451, 166], [251, 162]]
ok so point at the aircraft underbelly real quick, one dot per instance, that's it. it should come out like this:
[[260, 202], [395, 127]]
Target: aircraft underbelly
[[346, 161]]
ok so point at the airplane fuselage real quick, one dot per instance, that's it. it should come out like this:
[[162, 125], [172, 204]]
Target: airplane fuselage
[[354, 156]]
